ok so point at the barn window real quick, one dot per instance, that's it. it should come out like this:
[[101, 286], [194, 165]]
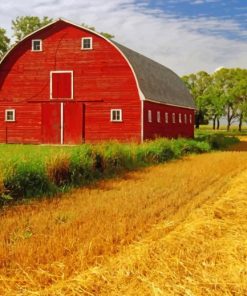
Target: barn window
[[10, 115], [180, 118], [87, 43], [149, 116], [37, 45], [190, 118], [158, 116], [166, 118], [185, 118], [116, 115], [173, 118]]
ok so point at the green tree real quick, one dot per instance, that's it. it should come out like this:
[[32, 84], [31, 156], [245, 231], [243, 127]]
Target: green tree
[[198, 84], [239, 92], [225, 80], [4, 42], [105, 34], [24, 25]]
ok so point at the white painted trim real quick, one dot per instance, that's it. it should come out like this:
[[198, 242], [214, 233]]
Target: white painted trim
[[158, 117], [41, 45], [121, 115], [180, 118], [62, 122], [185, 118], [173, 105], [166, 117], [149, 116], [173, 118], [91, 43], [72, 83], [142, 121], [6, 112]]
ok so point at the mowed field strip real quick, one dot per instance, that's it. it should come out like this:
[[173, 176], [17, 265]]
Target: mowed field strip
[[174, 229]]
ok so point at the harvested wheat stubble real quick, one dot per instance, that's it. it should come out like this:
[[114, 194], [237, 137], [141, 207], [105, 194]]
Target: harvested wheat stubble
[[165, 230]]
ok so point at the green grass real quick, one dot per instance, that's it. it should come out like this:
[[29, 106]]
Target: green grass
[[30, 171], [208, 130]]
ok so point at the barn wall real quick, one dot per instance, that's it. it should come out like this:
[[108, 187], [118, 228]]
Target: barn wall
[[162, 129], [26, 128], [103, 80]]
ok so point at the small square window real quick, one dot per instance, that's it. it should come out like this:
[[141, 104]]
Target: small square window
[[180, 118], [166, 118], [10, 115], [36, 45], [173, 118], [158, 116], [190, 119], [185, 118], [116, 115], [149, 116], [87, 43]]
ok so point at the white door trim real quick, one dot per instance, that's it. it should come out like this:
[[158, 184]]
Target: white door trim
[[72, 83], [62, 123]]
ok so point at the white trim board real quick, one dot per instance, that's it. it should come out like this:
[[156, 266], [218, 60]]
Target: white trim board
[[72, 83], [168, 104]]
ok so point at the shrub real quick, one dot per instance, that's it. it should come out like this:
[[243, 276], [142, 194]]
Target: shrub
[[219, 141], [26, 180], [191, 146], [113, 157], [82, 165], [58, 169], [159, 150]]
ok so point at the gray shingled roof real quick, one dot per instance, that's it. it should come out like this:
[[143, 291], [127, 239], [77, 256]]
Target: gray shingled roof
[[157, 82]]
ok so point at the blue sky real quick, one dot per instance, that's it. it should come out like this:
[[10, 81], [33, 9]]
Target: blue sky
[[184, 35], [231, 10]]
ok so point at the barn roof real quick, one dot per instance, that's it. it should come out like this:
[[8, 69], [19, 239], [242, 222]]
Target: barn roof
[[157, 82]]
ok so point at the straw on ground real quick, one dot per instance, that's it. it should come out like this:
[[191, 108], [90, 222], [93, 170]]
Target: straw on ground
[[173, 229]]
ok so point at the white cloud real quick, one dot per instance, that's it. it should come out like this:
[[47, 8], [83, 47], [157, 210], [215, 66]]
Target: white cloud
[[183, 44]]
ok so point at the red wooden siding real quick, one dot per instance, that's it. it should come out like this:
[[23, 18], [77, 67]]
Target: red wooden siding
[[51, 123], [102, 80], [162, 129], [26, 128], [73, 123], [61, 85]]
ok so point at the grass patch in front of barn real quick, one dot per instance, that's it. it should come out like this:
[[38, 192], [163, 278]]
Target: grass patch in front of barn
[[31, 171]]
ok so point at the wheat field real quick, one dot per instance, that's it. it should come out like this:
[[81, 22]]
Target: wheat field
[[174, 229]]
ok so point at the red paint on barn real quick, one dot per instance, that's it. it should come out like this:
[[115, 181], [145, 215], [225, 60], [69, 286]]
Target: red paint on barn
[[64, 94], [166, 127]]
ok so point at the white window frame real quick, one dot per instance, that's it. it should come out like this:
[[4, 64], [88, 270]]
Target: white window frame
[[121, 115], [91, 43], [185, 119], [150, 116], [180, 118], [41, 45], [6, 115], [166, 117], [190, 119], [158, 116], [72, 84], [173, 118]]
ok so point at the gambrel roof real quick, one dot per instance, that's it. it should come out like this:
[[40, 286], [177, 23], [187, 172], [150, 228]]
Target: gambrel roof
[[155, 82]]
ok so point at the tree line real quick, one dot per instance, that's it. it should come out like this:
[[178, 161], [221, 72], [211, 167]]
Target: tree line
[[24, 25], [221, 94]]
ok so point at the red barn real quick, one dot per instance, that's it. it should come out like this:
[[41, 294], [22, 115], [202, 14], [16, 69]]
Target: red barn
[[65, 84]]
